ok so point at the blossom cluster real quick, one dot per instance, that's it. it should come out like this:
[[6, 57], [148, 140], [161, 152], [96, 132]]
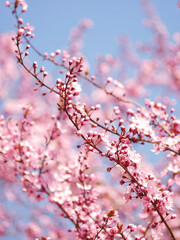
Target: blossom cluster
[[74, 154]]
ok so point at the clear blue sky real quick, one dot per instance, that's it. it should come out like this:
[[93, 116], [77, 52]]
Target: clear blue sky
[[54, 19]]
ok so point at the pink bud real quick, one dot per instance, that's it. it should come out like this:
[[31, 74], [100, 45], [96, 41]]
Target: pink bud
[[58, 51], [28, 33], [70, 62], [24, 7], [42, 69], [109, 79], [7, 3], [97, 107], [173, 216], [45, 55], [92, 108], [20, 20], [93, 78], [45, 74], [52, 55], [79, 133], [21, 31], [122, 182], [106, 122], [76, 94], [35, 65]]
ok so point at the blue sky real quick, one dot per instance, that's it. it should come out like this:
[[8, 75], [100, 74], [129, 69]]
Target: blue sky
[[54, 19]]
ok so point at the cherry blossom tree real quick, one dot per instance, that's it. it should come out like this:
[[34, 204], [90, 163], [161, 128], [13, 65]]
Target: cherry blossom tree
[[73, 144]]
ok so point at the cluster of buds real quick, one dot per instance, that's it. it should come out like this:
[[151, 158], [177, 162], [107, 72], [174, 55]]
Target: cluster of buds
[[70, 87]]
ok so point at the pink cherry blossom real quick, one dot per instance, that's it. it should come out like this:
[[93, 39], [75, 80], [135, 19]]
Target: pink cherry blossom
[[74, 146]]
